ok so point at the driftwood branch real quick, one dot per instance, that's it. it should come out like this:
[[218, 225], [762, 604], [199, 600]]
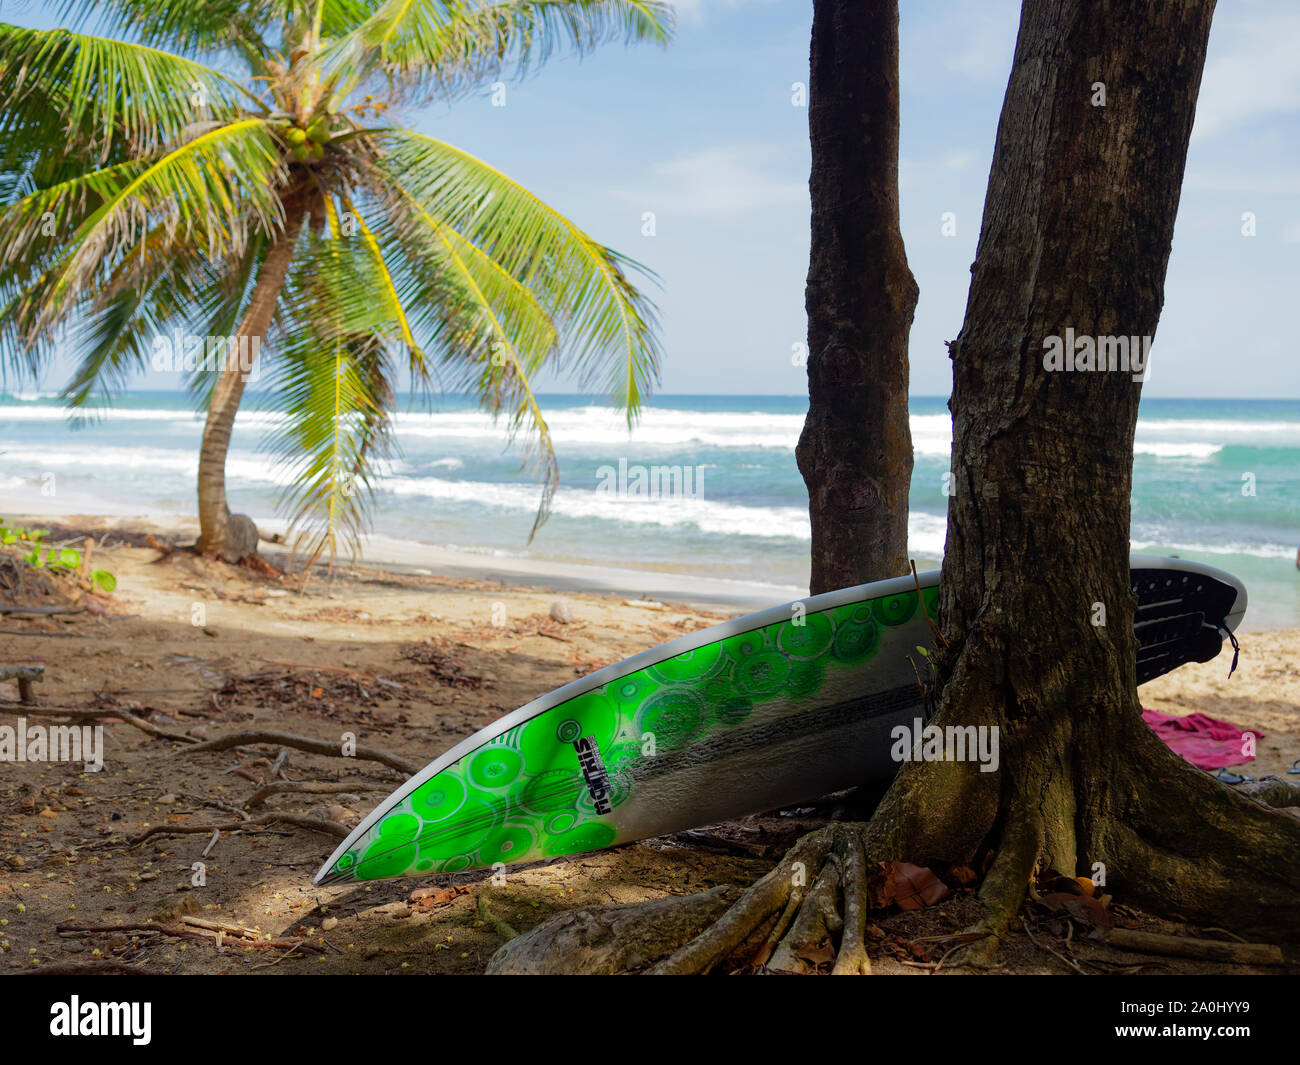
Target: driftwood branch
[[25, 676], [1186, 947]]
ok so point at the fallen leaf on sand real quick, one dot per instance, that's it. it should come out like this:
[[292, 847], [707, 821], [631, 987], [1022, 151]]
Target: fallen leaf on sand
[[423, 899], [910, 886]]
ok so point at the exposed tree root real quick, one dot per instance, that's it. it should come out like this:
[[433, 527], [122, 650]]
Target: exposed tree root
[[1004, 887], [852, 958], [1271, 791], [315, 824], [305, 743], [806, 917], [598, 940]]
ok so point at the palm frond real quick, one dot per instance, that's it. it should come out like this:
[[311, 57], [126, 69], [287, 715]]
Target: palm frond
[[197, 26], [449, 47], [607, 327], [117, 329], [212, 192], [434, 249], [493, 334], [335, 430], [388, 289], [57, 83], [334, 384]]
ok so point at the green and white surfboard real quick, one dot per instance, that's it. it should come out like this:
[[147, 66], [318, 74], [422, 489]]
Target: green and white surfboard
[[766, 710]]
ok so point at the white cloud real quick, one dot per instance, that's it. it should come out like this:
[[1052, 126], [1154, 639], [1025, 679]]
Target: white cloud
[[724, 180], [1251, 72], [958, 160]]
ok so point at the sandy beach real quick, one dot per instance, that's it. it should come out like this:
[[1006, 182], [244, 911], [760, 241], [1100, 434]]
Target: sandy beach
[[411, 657]]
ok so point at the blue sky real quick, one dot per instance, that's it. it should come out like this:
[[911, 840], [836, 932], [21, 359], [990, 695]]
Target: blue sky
[[705, 136]]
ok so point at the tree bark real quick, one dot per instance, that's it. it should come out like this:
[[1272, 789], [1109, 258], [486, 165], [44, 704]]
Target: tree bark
[[855, 452], [233, 536], [1035, 601]]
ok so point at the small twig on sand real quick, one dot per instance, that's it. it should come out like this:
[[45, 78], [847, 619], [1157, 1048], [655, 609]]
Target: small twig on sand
[[216, 835], [280, 759], [191, 928], [43, 611], [487, 915], [86, 712], [25, 709], [304, 743], [152, 729], [1041, 946], [310, 787], [315, 824]]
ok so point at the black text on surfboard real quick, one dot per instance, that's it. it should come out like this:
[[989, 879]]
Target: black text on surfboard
[[593, 772]]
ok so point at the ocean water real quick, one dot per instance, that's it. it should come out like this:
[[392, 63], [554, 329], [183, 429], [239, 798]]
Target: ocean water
[[1217, 481]]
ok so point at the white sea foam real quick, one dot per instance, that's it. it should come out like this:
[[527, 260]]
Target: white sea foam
[[240, 465], [1226, 548], [603, 427], [717, 517], [1173, 449]]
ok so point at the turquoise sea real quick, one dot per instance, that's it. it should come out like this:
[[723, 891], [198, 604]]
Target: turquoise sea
[[452, 481]]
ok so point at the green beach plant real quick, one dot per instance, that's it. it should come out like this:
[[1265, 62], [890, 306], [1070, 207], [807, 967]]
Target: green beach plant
[[29, 544], [235, 169]]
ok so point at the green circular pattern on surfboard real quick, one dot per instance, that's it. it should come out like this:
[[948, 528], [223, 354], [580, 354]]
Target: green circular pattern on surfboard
[[523, 797]]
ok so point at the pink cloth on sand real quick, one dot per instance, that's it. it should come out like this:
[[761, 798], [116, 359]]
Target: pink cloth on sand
[[1203, 740]]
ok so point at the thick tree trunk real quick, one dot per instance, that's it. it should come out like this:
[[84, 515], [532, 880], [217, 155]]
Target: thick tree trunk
[[226, 535], [1077, 230], [855, 452]]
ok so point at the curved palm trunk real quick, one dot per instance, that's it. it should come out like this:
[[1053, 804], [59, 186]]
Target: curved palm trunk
[[233, 536]]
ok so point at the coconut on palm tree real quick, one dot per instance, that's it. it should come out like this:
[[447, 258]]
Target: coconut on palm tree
[[147, 189]]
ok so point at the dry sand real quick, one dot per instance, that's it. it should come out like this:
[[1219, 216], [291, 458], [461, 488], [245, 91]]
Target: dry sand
[[410, 662]]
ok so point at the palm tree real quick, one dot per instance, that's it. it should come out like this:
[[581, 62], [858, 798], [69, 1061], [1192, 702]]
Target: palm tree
[[144, 187]]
